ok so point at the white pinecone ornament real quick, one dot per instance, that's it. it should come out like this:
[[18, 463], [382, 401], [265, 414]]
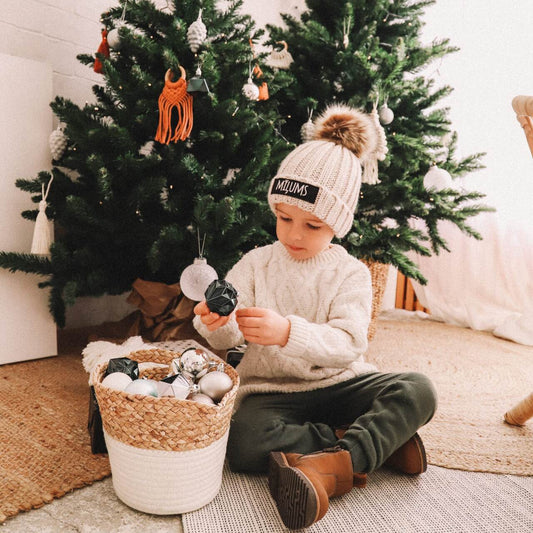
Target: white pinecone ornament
[[58, 143], [307, 131], [196, 34]]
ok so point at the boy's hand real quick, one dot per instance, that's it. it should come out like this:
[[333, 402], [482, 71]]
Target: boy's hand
[[263, 326], [213, 321]]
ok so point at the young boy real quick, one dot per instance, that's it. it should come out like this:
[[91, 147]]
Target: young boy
[[310, 410]]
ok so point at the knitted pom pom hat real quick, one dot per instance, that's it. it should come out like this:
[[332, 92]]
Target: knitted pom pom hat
[[323, 176]]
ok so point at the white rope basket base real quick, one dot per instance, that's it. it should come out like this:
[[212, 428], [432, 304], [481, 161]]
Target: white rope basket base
[[164, 482]]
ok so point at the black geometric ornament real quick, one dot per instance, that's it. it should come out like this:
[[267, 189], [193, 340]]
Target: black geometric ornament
[[221, 297]]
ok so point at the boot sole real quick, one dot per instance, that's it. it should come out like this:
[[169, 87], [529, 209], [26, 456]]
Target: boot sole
[[422, 452], [295, 496]]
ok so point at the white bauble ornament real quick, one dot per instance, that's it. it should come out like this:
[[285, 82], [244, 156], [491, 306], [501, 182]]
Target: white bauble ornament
[[196, 33], [386, 115], [58, 143], [117, 381], [250, 90], [307, 131], [201, 398], [146, 387], [215, 384], [437, 178], [113, 39], [195, 279]]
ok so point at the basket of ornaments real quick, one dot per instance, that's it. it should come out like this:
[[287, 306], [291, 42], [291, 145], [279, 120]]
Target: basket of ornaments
[[166, 417]]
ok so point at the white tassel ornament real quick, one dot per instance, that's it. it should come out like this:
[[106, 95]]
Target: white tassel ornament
[[42, 238], [370, 164]]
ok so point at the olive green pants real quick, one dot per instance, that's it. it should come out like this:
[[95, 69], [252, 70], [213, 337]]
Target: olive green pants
[[382, 411]]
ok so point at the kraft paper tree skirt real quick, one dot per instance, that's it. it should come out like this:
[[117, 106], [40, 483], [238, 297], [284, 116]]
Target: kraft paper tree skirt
[[44, 406]]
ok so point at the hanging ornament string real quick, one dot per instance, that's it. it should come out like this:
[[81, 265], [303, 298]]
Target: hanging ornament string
[[202, 246], [41, 233], [174, 96], [346, 31]]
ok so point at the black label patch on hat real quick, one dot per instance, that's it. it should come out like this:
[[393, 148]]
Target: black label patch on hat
[[296, 189]]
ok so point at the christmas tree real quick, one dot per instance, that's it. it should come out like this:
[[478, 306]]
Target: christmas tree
[[370, 55], [135, 194]]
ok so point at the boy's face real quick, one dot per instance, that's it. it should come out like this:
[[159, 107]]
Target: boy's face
[[302, 233]]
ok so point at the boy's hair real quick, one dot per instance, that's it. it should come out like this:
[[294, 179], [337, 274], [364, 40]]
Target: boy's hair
[[323, 176]]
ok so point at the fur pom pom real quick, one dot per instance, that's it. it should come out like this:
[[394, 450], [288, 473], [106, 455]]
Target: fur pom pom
[[348, 127]]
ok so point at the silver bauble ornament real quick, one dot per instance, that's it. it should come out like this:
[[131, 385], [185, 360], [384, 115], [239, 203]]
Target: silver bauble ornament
[[215, 384], [113, 39], [437, 178], [250, 90], [195, 279], [386, 115], [201, 398], [116, 380], [58, 143], [196, 33], [193, 362], [307, 131], [146, 387]]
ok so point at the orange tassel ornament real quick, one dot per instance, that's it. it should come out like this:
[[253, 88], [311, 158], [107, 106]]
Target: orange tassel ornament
[[174, 97], [102, 49]]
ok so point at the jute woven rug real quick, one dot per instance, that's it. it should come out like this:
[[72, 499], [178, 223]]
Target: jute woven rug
[[45, 450], [478, 377]]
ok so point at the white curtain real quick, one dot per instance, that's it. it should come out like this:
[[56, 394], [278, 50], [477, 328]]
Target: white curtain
[[484, 285]]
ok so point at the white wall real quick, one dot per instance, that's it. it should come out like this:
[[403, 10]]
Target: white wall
[[26, 327], [54, 32], [492, 66]]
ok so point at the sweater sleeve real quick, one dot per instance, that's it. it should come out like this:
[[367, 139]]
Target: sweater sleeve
[[343, 338], [241, 276]]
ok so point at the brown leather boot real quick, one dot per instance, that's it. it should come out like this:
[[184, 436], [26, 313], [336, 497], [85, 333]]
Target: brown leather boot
[[302, 489], [410, 458]]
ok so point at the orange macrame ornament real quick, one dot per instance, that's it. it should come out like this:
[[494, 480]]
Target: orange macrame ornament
[[102, 49], [174, 96]]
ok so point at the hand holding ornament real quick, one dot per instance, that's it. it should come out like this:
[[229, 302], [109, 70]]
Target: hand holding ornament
[[263, 326], [212, 320]]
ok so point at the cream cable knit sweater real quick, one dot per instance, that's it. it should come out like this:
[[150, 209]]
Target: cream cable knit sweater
[[327, 300]]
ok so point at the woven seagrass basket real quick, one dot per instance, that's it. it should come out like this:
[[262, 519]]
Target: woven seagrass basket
[[378, 273], [166, 454]]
